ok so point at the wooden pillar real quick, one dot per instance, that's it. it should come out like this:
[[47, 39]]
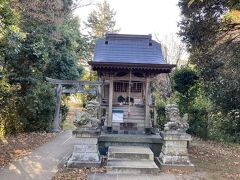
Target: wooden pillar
[[129, 91], [155, 114], [110, 102], [100, 102], [147, 117], [56, 121]]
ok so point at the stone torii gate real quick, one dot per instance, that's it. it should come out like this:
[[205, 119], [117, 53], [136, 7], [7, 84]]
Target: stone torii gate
[[77, 87]]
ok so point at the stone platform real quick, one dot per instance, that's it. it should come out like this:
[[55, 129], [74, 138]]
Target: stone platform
[[131, 138], [154, 142], [86, 132]]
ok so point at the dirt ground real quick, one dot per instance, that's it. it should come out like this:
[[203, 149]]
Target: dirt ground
[[219, 161], [76, 174], [16, 147], [68, 123]]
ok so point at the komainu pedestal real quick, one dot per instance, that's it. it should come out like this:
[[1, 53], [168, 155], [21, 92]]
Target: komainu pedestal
[[174, 151], [85, 151]]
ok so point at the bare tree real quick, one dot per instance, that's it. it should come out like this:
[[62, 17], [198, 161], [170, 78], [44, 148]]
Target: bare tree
[[81, 3], [174, 52]]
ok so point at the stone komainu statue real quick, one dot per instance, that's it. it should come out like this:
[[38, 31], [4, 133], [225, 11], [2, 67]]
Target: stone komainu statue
[[176, 122], [89, 117]]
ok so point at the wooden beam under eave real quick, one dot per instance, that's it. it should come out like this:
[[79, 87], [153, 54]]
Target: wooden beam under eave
[[117, 68]]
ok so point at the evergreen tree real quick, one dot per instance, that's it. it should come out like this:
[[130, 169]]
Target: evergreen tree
[[67, 51], [101, 21], [211, 30], [38, 39]]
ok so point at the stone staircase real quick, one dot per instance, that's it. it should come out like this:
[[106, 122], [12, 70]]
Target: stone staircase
[[137, 116], [131, 160]]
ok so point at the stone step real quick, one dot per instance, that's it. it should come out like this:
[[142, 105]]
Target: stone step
[[132, 167], [131, 109], [130, 153], [136, 116], [126, 106], [129, 121], [140, 130], [133, 121], [134, 113], [139, 125]]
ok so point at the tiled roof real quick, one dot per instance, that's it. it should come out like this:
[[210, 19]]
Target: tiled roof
[[126, 48]]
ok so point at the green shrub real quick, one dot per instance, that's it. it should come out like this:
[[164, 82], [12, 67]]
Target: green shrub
[[191, 100], [9, 123], [184, 80], [198, 115], [225, 127], [36, 109], [198, 124], [232, 127], [64, 112], [161, 116], [207, 119], [186, 83]]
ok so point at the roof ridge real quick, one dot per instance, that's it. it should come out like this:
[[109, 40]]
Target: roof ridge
[[116, 35]]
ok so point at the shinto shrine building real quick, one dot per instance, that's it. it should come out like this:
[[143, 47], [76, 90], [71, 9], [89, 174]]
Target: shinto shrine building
[[128, 63]]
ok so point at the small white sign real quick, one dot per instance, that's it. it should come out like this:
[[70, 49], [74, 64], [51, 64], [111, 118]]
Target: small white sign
[[117, 117]]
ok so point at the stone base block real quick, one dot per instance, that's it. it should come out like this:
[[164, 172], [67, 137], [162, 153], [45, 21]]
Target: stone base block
[[85, 148], [175, 143], [174, 151], [166, 167], [86, 141], [85, 157], [85, 154], [86, 133], [81, 164], [175, 136], [174, 159]]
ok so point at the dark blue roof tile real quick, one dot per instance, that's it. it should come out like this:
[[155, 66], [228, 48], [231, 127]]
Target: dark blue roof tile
[[125, 48]]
